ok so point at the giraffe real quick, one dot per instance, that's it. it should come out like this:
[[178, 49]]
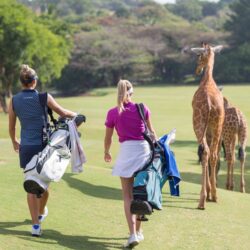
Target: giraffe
[[208, 118], [234, 125]]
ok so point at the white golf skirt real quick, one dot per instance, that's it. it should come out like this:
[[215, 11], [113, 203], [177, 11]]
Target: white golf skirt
[[132, 157]]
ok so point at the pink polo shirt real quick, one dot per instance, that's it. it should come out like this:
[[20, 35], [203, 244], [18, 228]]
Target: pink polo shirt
[[128, 124]]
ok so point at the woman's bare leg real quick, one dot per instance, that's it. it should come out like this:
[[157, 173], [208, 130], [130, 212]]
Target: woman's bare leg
[[33, 204], [127, 191], [43, 201]]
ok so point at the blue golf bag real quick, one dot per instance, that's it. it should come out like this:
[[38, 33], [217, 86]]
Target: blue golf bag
[[149, 181]]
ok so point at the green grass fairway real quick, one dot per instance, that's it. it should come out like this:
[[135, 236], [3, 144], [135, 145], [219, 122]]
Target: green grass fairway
[[86, 210]]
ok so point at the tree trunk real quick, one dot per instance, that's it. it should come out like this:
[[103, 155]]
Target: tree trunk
[[3, 103]]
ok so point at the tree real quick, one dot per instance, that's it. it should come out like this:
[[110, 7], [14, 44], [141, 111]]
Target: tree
[[188, 9], [236, 60], [238, 22], [101, 58], [151, 13], [13, 41], [209, 9], [24, 40]]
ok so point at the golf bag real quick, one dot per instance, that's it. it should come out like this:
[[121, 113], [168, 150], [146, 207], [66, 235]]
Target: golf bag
[[148, 182], [50, 164], [147, 185]]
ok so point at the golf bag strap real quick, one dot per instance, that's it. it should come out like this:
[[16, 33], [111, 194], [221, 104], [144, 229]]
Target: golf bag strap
[[141, 110], [43, 98], [43, 101]]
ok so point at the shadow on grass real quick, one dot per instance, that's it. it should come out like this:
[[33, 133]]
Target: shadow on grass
[[196, 177], [184, 201], [57, 238], [187, 144], [221, 183], [180, 199], [97, 191], [80, 241], [6, 228]]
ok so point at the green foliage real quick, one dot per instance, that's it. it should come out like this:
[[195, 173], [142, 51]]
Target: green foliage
[[51, 54], [238, 22], [209, 9], [188, 9], [141, 47], [122, 11], [135, 39], [101, 59], [41, 42], [15, 25], [151, 13], [235, 64]]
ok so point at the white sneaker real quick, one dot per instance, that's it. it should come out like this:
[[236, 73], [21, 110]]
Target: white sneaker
[[132, 241], [36, 230], [44, 215], [140, 236]]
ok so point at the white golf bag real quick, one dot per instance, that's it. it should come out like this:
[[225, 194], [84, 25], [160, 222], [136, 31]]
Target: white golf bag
[[50, 164]]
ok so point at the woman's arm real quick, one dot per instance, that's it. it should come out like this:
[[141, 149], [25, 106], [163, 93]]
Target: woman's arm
[[59, 109], [151, 129], [12, 127], [107, 144]]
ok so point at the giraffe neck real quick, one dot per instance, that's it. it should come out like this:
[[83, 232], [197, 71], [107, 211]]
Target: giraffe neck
[[208, 74]]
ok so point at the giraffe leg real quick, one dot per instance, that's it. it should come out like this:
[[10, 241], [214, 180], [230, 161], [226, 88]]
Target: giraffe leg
[[208, 184], [228, 151], [231, 162], [229, 172], [204, 185], [242, 156], [214, 147], [231, 180], [213, 162], [242, 135]]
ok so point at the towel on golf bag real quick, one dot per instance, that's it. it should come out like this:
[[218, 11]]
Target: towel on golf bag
[[170, 170], [78, 157]]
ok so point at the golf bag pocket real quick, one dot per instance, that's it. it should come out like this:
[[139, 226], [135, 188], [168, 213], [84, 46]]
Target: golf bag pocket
[[147, 188], [48, 165], [53, 167]]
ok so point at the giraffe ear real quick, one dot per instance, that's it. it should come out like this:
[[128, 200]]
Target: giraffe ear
[[198, 50], [217, 49]]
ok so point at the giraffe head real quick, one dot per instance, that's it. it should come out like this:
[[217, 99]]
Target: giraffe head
[[204, 54]]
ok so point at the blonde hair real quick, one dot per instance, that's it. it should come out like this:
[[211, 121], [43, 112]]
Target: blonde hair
[[124, 90], [27, 74]]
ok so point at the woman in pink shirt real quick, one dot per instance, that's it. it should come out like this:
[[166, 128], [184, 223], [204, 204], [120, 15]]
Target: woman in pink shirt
[[134, 150]]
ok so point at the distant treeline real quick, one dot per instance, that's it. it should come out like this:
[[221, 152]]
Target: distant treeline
[[76, 45]]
